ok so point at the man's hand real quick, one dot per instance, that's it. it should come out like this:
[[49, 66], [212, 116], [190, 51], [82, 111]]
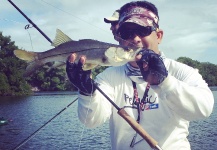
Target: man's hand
[[151, 66], [78, 77]]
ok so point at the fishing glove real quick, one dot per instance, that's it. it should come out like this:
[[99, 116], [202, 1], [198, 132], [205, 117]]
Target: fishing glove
[[80, 78], [155, 72]]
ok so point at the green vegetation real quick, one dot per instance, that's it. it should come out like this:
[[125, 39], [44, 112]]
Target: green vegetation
[[54, 79], [49, 78], [11, 70], [45, 78], [206, 69]]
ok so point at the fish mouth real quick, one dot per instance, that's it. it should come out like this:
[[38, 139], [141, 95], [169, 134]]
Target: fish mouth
[[127, 48], [134, 47], [121, 55]]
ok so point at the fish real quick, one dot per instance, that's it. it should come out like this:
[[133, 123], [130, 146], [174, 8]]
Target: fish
[[97, 53]]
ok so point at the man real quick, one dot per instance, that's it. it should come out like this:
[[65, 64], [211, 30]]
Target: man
[[162, 95], [113, 20]]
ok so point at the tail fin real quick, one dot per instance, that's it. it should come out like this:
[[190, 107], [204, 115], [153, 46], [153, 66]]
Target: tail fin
[[25, 55]]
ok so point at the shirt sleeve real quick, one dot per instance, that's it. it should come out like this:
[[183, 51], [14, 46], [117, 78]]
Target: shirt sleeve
[[94, 110], [186, 93]]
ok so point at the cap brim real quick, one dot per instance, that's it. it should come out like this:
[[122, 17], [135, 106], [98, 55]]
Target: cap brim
[[110, 19]]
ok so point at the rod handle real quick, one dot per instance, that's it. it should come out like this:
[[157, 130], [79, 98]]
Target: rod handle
[[138, 128]]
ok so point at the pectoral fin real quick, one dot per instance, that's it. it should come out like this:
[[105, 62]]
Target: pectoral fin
[[89, 66]]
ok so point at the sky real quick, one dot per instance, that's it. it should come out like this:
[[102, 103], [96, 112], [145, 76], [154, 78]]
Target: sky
[[190, 26]]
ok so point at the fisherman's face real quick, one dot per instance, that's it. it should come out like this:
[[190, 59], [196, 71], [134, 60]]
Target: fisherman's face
[[114, 28], [150, 41]]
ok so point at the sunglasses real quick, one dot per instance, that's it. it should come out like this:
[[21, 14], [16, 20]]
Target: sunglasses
[[126, 34]]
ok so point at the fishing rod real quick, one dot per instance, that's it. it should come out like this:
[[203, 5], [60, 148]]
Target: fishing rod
[[34, 133], [30, 21], [132, 122]]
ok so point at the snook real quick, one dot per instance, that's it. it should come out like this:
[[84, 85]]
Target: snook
[[96, 52]]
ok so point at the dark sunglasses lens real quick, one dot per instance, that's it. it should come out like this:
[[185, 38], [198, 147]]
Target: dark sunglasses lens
[[142, 32], [126, 34]]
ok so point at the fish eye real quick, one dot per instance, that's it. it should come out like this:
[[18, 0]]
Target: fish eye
[[126, 48]]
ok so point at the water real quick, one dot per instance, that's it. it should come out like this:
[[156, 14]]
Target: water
[[27, 114], [64, 132]]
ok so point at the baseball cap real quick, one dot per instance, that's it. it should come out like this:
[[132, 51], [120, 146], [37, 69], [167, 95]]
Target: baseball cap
[[138, 15], [113, 18]]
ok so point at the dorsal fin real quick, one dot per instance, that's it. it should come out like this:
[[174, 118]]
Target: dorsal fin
[[60, 38]]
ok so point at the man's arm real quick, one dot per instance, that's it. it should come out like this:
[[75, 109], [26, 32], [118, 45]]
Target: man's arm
[[186, 93], [93, 108]]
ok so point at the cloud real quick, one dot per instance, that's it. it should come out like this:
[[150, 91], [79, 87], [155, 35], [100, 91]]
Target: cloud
[[189, 26]]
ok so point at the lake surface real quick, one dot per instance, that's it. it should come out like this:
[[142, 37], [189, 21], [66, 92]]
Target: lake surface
[[29, 113]]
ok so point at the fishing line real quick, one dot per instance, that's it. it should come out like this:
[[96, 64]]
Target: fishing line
[[11, 20], [87, 112], [27, 27], [74, 16], [34, 133], [85, 121], [87, 22]]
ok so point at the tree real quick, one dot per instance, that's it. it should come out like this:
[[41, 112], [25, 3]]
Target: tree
[[48, 78], [209, 73], [207, 70], [11, 69], [189, 62], [5, 87]]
